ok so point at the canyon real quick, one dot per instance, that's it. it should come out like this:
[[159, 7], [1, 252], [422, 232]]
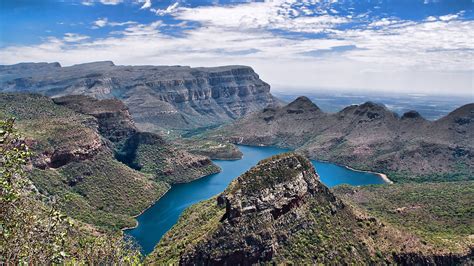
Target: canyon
[[159, 98]]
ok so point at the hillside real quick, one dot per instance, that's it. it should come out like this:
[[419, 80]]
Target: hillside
[[439, 213], [160, 98], [279, 212], [366, 137], [76, 143]]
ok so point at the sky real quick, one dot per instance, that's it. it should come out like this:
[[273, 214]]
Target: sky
[[406, 46]]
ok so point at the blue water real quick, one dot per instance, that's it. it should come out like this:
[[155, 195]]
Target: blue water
[[159, 218]]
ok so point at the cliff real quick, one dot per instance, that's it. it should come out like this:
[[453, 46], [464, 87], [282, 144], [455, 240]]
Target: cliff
[[79, 144], [158, 97], [366, 136], [147, 152], [279, 212]]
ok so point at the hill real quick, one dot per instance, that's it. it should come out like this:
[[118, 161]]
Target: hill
[[81, 149], [280, 212], [160, 98], [366, 137]]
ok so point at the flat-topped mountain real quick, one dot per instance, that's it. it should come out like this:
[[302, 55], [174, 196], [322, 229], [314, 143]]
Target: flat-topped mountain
[[366, 136], [280, 212], [91, 158], [158, 97]]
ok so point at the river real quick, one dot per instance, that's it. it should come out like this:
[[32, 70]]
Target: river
[[159, 218]]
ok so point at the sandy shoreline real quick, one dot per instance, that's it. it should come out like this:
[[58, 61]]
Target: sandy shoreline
[[383, 176]]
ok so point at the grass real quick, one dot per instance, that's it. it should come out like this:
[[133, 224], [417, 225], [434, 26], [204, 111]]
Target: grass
[[442, 214], [107, 193], [96, 188], [196, 222]]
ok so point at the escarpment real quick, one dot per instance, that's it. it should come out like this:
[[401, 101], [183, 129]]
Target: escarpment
[[158, 97], [91, 158], [264, 209], [143, 151], [366, 136], [279, 212]]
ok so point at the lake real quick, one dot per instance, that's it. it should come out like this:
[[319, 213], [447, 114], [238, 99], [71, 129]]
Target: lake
[[160, 217]]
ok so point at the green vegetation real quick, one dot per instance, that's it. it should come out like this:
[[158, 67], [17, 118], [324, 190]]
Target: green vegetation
[[73, 164], [211, 148], [33, 232], [461, 172], [195, 223], [180, 168], [100, 191], [442, 214]]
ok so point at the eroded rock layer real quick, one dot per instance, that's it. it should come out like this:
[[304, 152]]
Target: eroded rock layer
[[159, 97]]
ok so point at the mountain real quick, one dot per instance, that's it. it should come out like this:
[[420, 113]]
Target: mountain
[[439, 213], [144, 151], [158, 97], [366, 136], [280, 212], [90, 157]]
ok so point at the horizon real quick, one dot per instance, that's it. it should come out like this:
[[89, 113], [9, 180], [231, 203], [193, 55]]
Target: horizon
[[422, 47]]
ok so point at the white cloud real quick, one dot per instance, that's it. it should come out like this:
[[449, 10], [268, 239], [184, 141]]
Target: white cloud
[[73, 37], [427, 56], [88, 2], [101, 22], [114, 24], [146, 4], [111, 2], [448, 17], [169, 10]]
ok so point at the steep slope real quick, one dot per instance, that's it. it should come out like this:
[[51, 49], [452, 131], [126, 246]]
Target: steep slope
[[75, 157], [440, 213], [279, 212], [142, 151], [159, 97], [366, 136], [33, 231], [73, 163]]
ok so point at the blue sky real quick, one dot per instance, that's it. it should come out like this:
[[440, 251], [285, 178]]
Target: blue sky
[[419, 46]]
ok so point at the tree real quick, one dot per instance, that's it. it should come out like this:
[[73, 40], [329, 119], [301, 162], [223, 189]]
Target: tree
[[32, 231]]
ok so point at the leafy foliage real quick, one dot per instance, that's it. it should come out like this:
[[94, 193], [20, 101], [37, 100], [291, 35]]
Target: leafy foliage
[[32, 231], [440, 213]]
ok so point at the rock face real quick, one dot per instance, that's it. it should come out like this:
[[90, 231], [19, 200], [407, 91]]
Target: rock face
[[263, 208], [144, 151], [114, 120], [279, 212], [159, 97], [366, 136], [80, 145]]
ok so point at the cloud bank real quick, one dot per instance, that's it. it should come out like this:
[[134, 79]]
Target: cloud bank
[[290, 43]]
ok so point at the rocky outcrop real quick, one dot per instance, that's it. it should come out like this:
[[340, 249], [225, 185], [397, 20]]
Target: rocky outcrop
[[279, 212], [267, 212], [159, 97], [114, 120], [81, 148], [366, 136], [144, 151]]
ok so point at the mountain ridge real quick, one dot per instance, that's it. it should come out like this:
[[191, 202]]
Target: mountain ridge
[[80, 157], [160, 98], [367, 136], [279, 212]]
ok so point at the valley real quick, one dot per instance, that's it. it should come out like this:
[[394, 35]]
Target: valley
[[223, 188], [160, 217], [236, 132], [367, 137]]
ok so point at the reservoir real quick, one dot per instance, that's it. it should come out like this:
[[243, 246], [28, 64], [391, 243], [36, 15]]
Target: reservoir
[[159, 218]]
